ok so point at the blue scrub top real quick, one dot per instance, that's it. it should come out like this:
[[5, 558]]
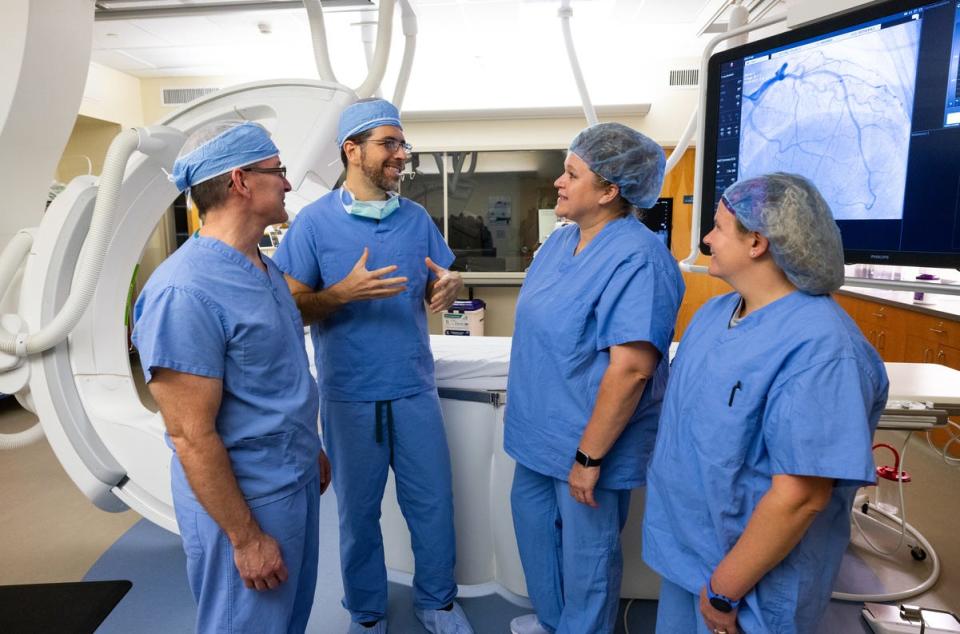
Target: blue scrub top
[[207, 310], [807, 391], [623, 287], [369, 350]]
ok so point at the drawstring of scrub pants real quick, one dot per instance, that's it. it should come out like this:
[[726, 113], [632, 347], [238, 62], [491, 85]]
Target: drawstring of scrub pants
[[380, 406]]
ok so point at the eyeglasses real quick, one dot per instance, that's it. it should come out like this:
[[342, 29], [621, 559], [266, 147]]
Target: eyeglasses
[[282, 170], [392, 145]]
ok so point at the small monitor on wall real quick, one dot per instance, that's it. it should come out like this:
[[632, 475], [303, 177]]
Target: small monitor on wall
[[659, 219], [867, 106]]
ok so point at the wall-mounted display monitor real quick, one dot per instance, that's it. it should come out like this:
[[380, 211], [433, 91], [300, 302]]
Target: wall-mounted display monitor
[[867, 106]]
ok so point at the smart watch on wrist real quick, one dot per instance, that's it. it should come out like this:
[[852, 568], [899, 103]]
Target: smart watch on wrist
[[586, 460], [720, 602]]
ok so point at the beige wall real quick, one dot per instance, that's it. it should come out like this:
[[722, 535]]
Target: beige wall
[[86, 147], [110, 95]]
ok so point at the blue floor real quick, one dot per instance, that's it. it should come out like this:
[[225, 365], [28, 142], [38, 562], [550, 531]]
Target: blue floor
[[160, 600]]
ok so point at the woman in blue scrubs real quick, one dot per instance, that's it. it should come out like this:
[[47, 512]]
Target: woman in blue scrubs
[[588, 370], [767, 425]]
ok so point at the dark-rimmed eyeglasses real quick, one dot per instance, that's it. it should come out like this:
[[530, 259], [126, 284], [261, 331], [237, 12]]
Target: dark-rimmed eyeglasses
[[282, 170], [392, 145]]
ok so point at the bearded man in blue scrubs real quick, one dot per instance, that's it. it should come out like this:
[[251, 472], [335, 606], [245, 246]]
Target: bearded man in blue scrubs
[[361, 262], [221, 346], [767, 425]]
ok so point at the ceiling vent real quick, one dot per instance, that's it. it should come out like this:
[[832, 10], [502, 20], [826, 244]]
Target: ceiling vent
[[180, 96], [682, 78]]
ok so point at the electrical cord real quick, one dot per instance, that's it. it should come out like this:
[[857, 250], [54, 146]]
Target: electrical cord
[[945, 451], [626, 611]]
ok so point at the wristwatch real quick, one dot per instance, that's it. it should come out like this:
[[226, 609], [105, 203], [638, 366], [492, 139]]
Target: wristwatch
[[720, 602], [586, 460]]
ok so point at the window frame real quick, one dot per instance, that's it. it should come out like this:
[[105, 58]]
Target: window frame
[[489, 278]]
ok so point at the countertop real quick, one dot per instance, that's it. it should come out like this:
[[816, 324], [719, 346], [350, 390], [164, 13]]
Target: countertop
[[940, 306]]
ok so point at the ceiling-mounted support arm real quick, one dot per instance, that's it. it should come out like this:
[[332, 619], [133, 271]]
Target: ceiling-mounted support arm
[[377, 67], [409, 22], [564, 13]]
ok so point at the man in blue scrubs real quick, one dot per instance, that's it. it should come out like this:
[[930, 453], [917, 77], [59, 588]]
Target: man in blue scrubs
[[767, 425], [361, 262], [221, 346]]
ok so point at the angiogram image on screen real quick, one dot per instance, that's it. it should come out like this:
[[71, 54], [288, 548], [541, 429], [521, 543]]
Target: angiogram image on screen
[[837, 111]]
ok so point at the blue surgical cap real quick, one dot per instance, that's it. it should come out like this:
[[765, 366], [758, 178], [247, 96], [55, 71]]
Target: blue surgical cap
[[630, 160], [219, 147], [365, 115], [804, 239]]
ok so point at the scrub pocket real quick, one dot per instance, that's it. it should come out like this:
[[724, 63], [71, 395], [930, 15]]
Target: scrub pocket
[[259, 463], [725, 422]]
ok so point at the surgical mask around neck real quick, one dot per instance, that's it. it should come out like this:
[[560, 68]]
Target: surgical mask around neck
[[375, 209]]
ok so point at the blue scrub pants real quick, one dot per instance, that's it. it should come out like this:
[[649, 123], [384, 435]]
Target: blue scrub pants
[[363, 439], [570, 552], [224, 604], [678, 612]]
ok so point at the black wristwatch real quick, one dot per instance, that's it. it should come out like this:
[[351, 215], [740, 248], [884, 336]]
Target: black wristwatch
[[586, 460], [720, 602]]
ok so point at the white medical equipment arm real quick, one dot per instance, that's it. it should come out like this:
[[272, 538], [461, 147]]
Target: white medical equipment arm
[[378, 66], [91, 258], [409, 23], [564, 13]]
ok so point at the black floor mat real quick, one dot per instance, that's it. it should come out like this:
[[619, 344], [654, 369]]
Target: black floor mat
[[58, 608]]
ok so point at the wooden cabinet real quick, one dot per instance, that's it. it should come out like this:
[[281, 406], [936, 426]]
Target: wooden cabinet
[[901, 334], [885, 327]]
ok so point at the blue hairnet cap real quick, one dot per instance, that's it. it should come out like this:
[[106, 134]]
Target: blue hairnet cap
[[219, 147], [632, 161], [790, 212], [365, 115]]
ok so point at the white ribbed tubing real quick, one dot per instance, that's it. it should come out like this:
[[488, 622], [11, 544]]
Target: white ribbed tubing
[[91, 256]]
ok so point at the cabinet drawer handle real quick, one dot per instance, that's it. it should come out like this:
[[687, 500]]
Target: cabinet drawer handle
[[937, 331], [941, 357], [879, 315], [927, 355], [881, 340]]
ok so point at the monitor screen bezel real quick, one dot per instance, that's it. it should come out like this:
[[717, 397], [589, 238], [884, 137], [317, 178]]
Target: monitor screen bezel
[[709, 195]]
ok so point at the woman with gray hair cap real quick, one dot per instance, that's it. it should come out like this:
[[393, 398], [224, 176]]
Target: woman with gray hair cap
[[767, 424], [588, 369]]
